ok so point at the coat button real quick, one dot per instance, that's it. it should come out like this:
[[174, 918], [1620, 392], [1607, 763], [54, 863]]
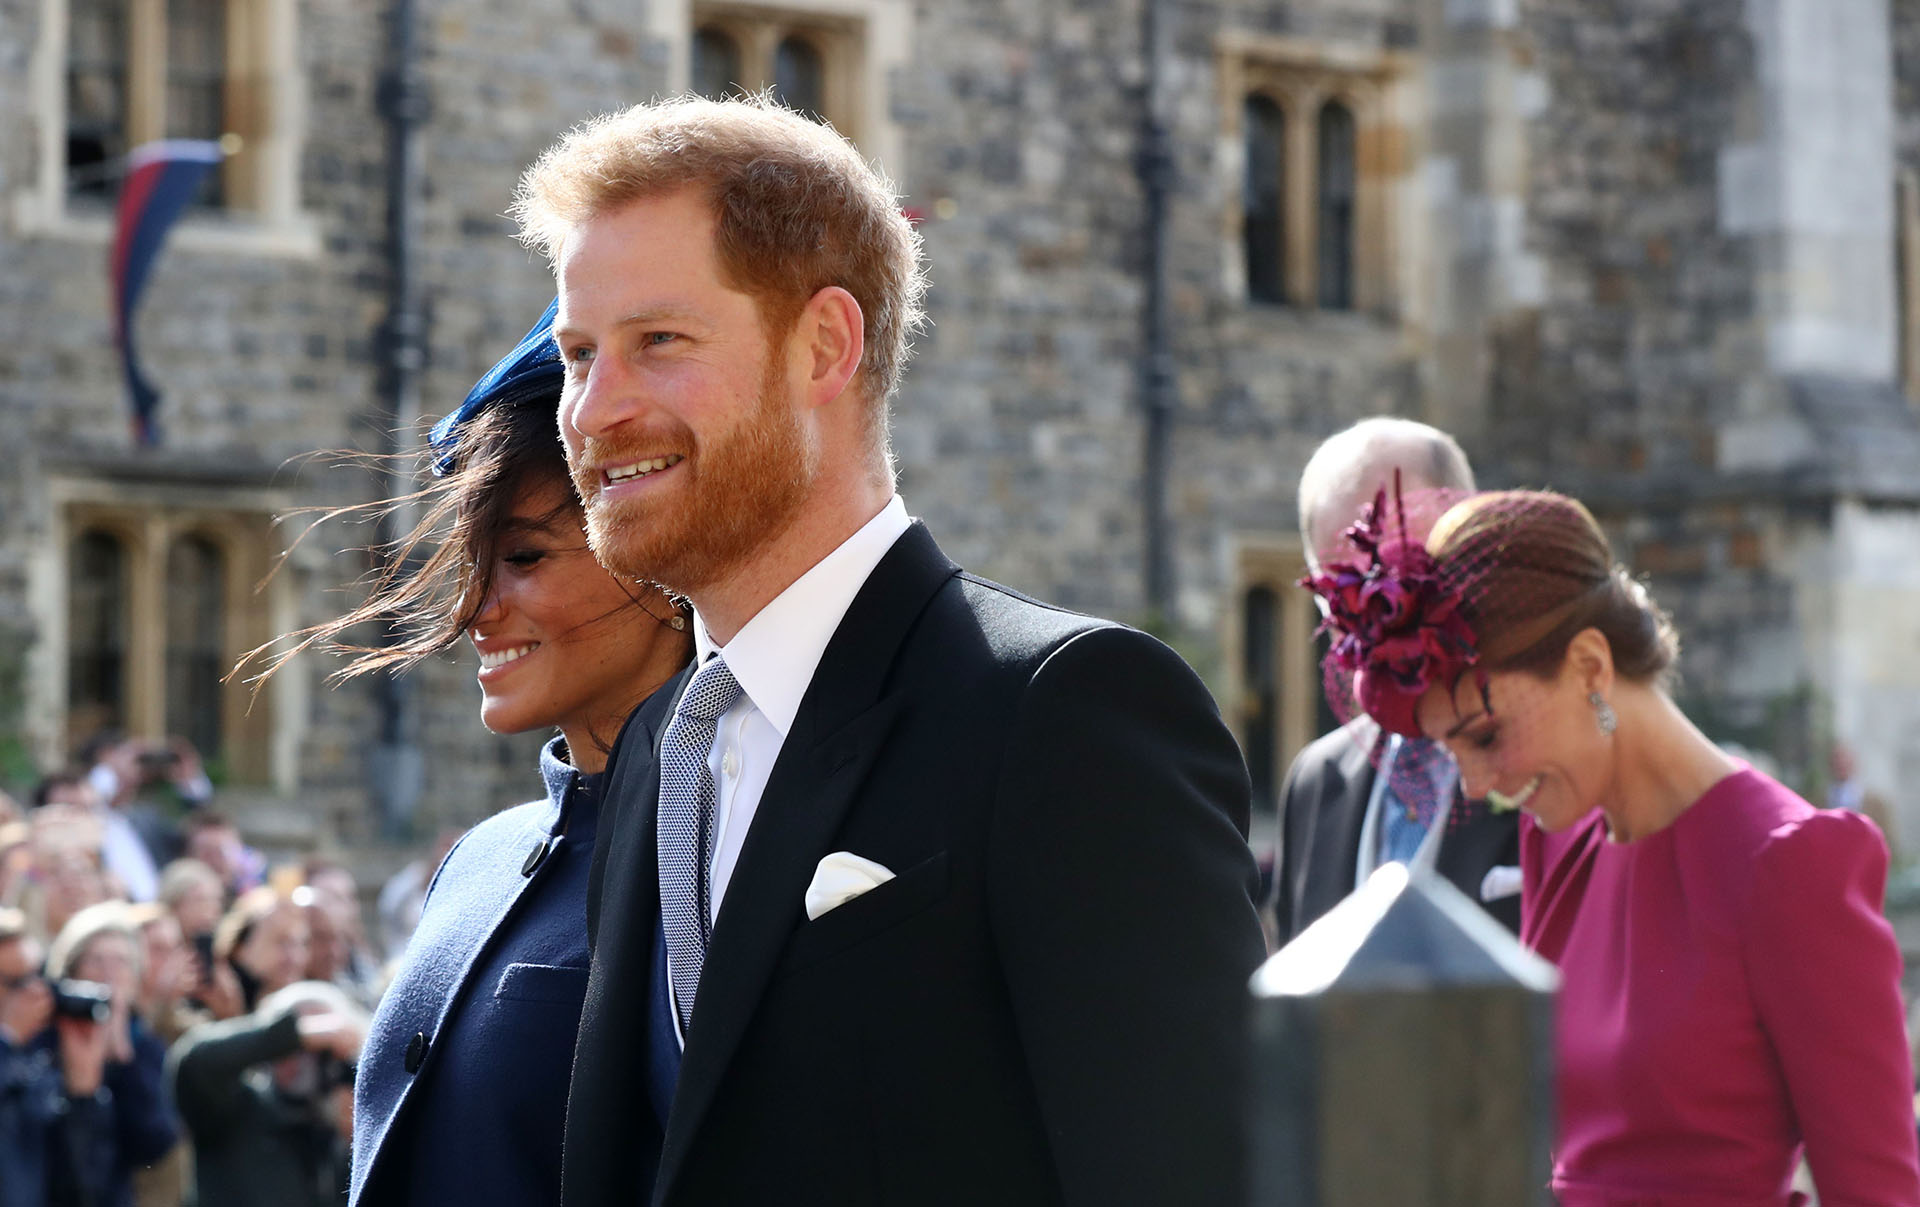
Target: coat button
[[416, 1051], [535, 856]]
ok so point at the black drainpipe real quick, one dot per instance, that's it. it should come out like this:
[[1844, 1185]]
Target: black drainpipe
[[395, 766], [1158, 383]]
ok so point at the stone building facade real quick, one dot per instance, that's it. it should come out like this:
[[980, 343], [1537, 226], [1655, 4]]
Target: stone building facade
[[1649, 251]]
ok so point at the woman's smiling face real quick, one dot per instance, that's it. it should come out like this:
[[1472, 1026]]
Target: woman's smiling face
[[1537, 746], [562, 642]]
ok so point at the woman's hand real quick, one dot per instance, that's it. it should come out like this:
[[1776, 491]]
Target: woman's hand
[[119, 1029], [83, 1054], [332, 1033]]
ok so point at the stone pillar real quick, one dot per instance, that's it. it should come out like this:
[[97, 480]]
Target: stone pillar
[[1402, 1051], [1815, 186], [1480, 96]]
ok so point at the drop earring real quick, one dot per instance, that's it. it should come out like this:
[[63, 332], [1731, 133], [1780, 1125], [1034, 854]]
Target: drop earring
[[1603, 714]]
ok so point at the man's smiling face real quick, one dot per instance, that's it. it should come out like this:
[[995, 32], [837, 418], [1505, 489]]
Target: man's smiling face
[[682, 424]]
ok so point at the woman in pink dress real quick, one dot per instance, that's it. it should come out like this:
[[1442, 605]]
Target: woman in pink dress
[[1731, 992]]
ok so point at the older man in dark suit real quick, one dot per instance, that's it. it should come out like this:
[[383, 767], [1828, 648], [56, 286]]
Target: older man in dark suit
[[915, 890], [1350, 801]]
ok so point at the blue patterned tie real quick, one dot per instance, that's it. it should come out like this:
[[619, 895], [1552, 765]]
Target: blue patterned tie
[[687, 799]]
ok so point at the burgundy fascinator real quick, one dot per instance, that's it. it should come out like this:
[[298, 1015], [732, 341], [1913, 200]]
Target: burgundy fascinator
[[1395, 624]]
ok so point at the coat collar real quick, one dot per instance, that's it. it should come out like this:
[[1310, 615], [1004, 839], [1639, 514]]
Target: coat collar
[[841, 726], [559, 776]]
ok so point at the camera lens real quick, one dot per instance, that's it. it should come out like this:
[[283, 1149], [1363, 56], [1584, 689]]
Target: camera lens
[[88, 1001]]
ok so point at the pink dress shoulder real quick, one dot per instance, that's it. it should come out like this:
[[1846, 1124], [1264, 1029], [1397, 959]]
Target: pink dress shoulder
[[1731, 992]]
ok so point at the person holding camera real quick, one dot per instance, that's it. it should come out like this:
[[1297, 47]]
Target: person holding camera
[[58, 1142], [146, 787], [96, 966], [267, 1096]]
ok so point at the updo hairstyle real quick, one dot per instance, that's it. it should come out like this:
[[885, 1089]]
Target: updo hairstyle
[[1533, 570]]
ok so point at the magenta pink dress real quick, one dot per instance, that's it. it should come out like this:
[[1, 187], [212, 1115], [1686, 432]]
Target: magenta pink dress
[[1731, 992]]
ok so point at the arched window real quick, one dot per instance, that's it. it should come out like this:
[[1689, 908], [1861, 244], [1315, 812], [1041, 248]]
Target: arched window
[[716, 64], [196, 599], [799, 76], [1338, 179], [96, 634], [96, 96], [1259, 654], [1264, 230], [807, 60]]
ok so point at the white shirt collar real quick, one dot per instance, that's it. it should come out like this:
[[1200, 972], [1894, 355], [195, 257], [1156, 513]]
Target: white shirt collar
[[774, 656]]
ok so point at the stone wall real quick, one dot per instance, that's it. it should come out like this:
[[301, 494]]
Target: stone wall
[[1712, 367], [1623, 385], [1579, 293], [265, 358]]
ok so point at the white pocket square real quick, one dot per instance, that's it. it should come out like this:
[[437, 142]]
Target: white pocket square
[[840, 878], [1500, 882]]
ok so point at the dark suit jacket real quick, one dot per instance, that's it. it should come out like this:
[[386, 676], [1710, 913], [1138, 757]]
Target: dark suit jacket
[[1043, 1006], [1322, 808]]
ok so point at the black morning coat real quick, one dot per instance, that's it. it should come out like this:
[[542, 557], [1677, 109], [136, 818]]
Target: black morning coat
[[1323, 806], [1045, 1005]]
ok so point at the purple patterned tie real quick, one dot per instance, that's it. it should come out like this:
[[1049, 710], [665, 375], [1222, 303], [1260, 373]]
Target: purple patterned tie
[[1423, 774], [687, 799]]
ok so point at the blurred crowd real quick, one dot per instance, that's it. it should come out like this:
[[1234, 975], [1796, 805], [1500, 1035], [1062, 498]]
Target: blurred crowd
[[179, 1022]]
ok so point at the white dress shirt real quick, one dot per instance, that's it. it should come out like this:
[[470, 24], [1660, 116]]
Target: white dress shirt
[[773, 659]]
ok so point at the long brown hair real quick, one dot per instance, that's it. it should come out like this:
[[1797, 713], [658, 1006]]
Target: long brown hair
[[431, 584]]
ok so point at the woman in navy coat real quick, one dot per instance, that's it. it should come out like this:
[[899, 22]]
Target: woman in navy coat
[[462, 1086]]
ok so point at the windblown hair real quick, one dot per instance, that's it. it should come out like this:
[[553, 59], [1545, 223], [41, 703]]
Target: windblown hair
[[1533, 569], [435, 580], [796, 209]]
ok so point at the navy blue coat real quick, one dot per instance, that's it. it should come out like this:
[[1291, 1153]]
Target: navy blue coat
[[53, 1149], [462, 1086]]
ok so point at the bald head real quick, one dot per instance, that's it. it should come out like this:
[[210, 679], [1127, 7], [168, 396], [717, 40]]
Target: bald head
[[1352, 466]]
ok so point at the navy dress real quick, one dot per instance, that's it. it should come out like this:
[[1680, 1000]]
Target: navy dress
[[462, 1087]]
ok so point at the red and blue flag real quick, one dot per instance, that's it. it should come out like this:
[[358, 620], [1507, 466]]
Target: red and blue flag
[[161, 179]]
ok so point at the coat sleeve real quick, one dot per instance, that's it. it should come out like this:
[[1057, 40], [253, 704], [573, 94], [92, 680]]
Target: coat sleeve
[[1122, 904], [1825, 970], [206, 1063]]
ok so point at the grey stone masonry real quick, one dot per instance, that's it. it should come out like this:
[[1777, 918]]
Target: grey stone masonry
[[1638, 250]]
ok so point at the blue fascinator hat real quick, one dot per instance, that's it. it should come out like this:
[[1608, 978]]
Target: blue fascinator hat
[[532, 372]]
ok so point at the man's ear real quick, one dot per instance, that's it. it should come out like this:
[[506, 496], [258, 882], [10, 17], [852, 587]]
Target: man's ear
[[1590, 659], [831, 338]]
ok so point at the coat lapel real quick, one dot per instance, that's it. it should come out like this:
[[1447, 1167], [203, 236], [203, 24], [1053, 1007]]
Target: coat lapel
[[840, 728], [629, 805], [607, 1103]]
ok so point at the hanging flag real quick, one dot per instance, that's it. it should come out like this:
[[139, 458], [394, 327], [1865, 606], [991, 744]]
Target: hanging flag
[[161, 178]]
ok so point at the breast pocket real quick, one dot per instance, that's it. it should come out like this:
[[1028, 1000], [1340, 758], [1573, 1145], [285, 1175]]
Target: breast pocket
[[872, 913], [565, 986]]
